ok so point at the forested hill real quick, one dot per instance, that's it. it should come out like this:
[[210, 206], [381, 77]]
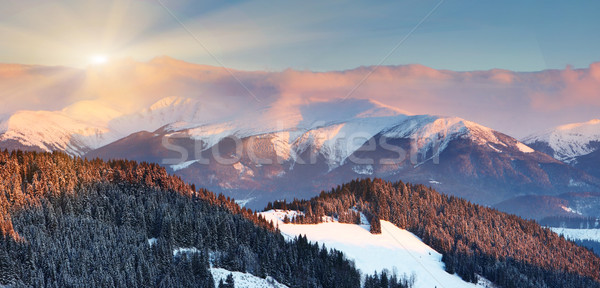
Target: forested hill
[[473, 239], [69, 222]]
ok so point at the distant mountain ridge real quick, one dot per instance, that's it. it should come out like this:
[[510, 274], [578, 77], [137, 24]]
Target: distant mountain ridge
[[567, 142], [577, 144]]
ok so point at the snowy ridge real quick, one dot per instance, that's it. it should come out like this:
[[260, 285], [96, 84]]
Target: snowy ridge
[[183, 165], [56, 131], [396, 250], [436, 132], [337, 140], [569, 141], [87, 125]]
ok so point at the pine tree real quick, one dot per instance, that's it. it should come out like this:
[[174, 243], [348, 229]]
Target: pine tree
[[7, 273], [375, 225], [229, 283]]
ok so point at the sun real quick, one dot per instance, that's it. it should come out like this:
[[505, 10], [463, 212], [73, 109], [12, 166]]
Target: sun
[[98, 59]]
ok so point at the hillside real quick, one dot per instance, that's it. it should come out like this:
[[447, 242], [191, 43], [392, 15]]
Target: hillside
[[473, 240], [377, 252], [68, 222]]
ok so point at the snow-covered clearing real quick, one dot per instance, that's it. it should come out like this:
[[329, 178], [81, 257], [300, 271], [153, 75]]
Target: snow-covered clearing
[[578, 234], [396, 250], [244, 280]]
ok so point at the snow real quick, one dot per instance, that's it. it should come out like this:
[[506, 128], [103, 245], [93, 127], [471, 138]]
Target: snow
[[335, 134], [244, 280], [578, 234], [524, 148], [494, 148], [363, 169], [152, 241], [189, 250], [243, 170], [241, 280], [183, 165], [395, 249], [569, 141], [573, 183], [434, 133], [87, 124], [56, 131], [570, 210], [244, 202]]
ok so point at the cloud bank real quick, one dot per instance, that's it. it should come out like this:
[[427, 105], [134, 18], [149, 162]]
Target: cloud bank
[[516, 103]]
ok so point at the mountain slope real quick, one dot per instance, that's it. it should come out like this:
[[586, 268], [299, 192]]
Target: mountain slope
[[589, 163], [67, 222]]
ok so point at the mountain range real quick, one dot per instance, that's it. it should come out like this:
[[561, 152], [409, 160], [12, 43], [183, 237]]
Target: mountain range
[[287, 143]]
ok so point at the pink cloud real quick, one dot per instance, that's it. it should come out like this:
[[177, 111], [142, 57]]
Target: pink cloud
[[512, 102]]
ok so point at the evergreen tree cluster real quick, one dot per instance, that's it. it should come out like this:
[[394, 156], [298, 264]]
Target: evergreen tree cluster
[[384, 280], [574, 222], [593, 245], [474, 240], [70, 222], [229, 282]]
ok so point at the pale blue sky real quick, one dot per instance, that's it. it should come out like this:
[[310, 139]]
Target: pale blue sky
[[312, 35]]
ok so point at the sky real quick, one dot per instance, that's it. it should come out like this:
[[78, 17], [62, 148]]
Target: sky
[[305, 35]]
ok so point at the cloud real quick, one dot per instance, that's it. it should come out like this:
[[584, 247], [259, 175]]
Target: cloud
[[516, 103]]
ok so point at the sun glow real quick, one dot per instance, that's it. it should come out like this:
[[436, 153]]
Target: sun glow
[[98, 59]]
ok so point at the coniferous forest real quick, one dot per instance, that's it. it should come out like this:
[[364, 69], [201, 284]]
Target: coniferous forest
[[70, 222], [474, 240]]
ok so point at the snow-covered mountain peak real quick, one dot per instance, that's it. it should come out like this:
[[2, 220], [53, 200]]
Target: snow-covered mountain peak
[[570, 140], [51, 131], [428, 126], [429, 130]]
